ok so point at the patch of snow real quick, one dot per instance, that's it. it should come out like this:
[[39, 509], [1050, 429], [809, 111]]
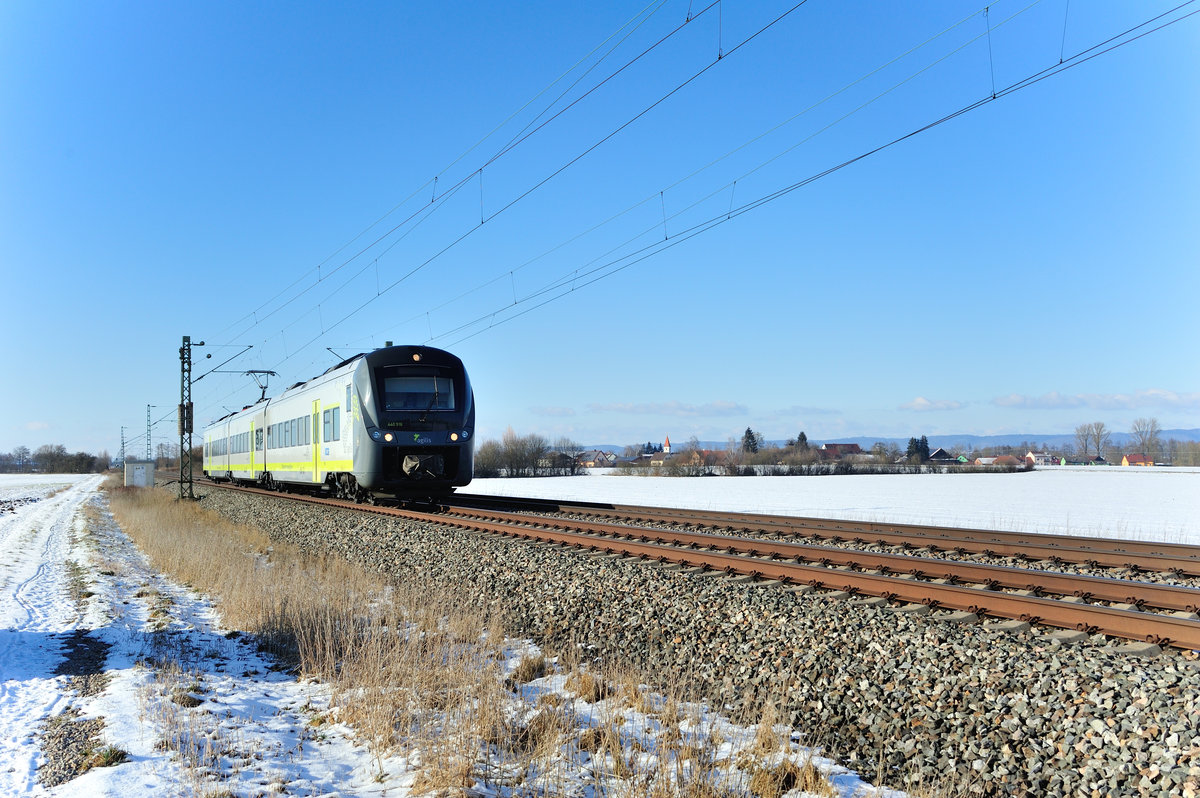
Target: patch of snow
[[1160, 504]]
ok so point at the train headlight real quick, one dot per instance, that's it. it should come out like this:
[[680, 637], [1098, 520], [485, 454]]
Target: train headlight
[[465, 435], [416, 357], [376, 434], [387, 436], [453, 436]]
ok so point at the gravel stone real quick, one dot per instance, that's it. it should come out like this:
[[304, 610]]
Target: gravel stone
[[910, 697]]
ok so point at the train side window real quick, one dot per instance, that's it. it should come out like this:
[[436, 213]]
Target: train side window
[[258, 440], [304, 434], [325, 426], [295, 425], [347, 405], [337, 424]]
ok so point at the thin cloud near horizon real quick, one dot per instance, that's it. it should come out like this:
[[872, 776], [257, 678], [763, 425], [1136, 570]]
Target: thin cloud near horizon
[[1152, 397]]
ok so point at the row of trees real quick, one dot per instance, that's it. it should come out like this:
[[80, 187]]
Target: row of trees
[[55, 459], [52, 459], [1096, 437], [533, 455], [526, 456]]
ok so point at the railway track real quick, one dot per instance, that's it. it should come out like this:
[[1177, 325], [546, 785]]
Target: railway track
[[1114, 607], [1132, 555]]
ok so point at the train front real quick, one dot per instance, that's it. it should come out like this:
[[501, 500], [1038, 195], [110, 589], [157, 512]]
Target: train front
[[417, 434]]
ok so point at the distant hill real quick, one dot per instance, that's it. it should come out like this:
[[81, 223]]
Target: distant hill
[[972, 442]]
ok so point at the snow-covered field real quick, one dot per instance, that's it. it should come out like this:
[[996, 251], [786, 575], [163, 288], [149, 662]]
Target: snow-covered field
[[1143, 503], [252, 730]]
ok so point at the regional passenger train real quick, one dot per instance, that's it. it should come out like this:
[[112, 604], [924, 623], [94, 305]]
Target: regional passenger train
[[395, 422]]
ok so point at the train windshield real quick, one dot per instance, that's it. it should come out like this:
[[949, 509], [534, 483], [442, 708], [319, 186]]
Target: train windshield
[[418, 392]]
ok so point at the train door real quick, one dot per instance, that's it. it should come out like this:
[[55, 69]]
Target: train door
[[316, 440]]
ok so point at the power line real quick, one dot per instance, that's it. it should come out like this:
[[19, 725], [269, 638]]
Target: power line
[[687, 233], [729, 185], [656, 248], [729, 154], [552, 175], [656, 4]]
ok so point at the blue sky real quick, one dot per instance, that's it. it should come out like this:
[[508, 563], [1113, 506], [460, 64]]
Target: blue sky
[[262, 174]]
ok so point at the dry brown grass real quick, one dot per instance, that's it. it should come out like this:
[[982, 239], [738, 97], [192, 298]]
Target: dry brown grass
[[774, 780], [529, 668], [588, 686], [420, 672]]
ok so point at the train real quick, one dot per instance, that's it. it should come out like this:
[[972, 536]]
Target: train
[[397, 422]]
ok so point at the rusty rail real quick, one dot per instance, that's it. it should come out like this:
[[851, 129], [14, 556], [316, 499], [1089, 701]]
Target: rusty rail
[[1177, 631], [1089, 588], [1136, 555]]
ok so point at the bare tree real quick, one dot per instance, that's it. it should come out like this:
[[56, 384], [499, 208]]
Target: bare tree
[[733, 457], [1083, 437], [1100, 437], [489, 459], [569, 462], [886, 452], [1145, 432]]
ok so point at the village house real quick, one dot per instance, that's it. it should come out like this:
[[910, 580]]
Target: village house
[[1137, 460], [836, 451], [940, 455], [1042, 459], [1094, 460], [597, 459]]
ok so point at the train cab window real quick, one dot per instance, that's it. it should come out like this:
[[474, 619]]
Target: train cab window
[[421, 393]]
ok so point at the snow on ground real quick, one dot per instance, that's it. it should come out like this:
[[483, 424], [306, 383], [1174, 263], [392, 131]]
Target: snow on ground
[[1142, 503], [255, 730], [219, 718]]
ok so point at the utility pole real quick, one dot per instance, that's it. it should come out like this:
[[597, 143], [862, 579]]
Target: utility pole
[[149, 451], [122, 447], [185, 418]]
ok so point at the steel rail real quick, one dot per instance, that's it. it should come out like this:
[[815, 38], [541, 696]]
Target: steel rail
[[1135, 555], [1132, 625], [1089, 588], [1166, 630]]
